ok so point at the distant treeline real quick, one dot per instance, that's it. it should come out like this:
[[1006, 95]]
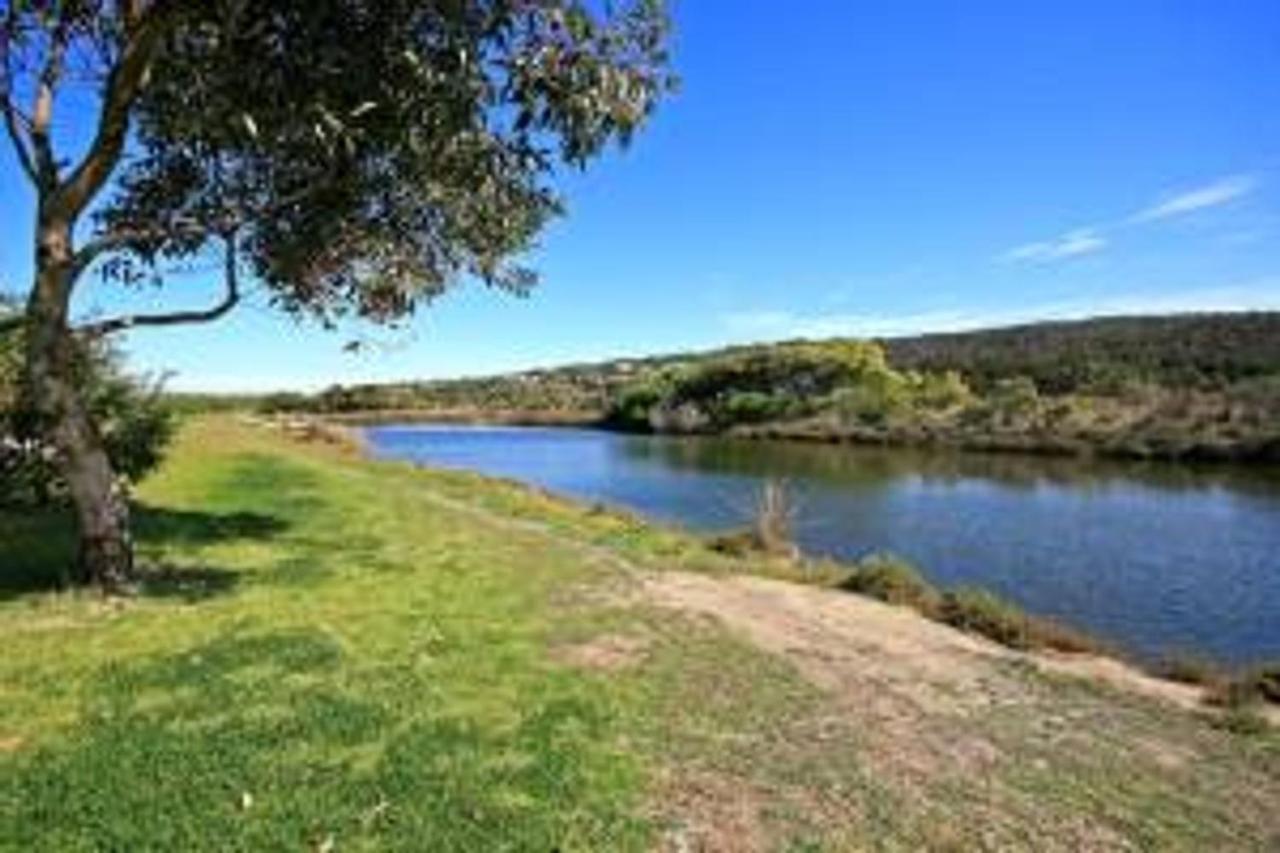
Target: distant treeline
[[1177, 386], [1201, 351]]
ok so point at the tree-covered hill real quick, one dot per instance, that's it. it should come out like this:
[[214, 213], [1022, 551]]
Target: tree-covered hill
[[1181, 350], [1201, 351], [1175, 386]]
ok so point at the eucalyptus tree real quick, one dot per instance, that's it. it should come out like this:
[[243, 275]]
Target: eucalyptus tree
[[354, 157]]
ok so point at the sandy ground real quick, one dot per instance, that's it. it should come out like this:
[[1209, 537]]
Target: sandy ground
[[934, 710], [858, 648]]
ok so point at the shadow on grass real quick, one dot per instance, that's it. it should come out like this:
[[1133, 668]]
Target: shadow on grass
[[258, 741], [186, 583], [37, 549], [161, 526]]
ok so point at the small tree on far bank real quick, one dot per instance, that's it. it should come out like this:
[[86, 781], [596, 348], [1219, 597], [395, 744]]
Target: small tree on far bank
[[355, 158]]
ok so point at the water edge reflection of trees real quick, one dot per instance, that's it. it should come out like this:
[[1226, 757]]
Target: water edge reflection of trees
[[851, 465]]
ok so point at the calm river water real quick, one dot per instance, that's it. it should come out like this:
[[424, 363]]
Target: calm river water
[[1157, 558]]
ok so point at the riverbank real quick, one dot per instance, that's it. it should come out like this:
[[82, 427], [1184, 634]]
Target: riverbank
[[494, 417], [336, 653], [1165, 445]]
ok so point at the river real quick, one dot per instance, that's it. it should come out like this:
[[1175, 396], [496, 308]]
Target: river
[[1156, 558]]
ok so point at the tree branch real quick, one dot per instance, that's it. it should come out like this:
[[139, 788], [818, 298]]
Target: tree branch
[[229, 300], [122, 238], [122, 86], [46, 163], [20, 145], [20, 148]]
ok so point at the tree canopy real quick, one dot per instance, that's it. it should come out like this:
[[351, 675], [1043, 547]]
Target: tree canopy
[[356, 158]]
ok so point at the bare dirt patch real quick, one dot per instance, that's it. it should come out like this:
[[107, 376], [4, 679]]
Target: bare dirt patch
[[936, 733], [709, 813], [861, 649], [606, 652]]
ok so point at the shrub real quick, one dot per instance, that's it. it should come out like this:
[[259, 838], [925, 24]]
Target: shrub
[[940, 391], [1015, 401], [632, 406], [894, 580], [1243, 720], [874, 398], [1051, 634], [1187, 670], [737, 543], [749, 407], [1267, 682], [981, 612], [1253, 687], [133, 421]]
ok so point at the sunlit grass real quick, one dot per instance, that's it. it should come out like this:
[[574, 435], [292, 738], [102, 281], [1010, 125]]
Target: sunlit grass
[[326, 650]]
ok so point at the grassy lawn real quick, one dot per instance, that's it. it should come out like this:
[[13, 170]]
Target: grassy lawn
[[333, 654]]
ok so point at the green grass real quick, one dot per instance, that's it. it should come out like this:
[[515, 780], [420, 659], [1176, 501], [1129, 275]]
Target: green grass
[[337, 645], [331, 648], [328, 648]]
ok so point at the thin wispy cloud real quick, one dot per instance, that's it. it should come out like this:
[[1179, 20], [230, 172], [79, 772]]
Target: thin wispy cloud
[[1211, 195], [1086, 241], [1082, 241], [1256, 295]]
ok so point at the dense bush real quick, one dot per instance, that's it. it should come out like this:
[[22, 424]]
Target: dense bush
[[134, 422], [754, 385]]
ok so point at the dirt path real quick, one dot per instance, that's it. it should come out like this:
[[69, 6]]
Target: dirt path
[[978, 746], [858, 648]]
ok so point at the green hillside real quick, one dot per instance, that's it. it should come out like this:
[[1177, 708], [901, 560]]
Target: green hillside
[[1186, 386]]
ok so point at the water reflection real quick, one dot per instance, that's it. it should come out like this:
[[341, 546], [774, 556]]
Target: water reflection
[[852, 465]]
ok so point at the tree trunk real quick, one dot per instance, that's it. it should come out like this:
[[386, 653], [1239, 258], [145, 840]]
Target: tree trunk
[[102, 511]]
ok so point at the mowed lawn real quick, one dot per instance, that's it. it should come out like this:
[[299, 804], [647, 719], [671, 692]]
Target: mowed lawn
[[335, 654]]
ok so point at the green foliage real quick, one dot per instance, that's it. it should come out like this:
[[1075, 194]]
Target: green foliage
[[133, 421], [368, 172], [631, 406], [750, 385], [1203, 351], [875, 399], [940, 391], [1015, 398], [841, 390], [418, 690]]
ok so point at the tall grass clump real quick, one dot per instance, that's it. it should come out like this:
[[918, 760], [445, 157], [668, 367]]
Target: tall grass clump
[[892, 579], [980, 612], [771, 531], [1255, 686], [1188, 669], [774, 517]]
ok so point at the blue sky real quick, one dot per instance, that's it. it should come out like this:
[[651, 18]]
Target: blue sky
[[862, 168]]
